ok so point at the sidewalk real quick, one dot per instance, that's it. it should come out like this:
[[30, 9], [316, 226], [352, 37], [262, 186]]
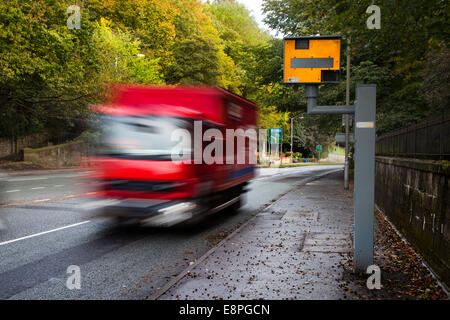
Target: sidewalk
[[22, 168], [28, 172], [300, 247]]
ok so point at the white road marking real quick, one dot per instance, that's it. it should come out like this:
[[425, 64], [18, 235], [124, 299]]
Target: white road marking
[[55, 176], [12, 191], [70, 175], [58, 185], [45, 232], [41, 200], [26, 179], [37, 188]]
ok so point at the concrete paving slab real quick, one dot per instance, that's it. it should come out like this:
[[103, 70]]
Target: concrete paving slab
[[293, 250]]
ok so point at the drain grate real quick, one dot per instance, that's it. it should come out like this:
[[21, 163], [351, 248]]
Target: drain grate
[[327, 242], [272, 215], [301, 214]]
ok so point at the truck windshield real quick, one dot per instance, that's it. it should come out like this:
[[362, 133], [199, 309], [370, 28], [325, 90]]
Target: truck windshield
[[143, 137]]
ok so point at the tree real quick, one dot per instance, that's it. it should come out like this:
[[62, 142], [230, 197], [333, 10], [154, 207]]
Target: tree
[[49, 73], [241, 39], [150, 21], [196, 62], [396, 52], [436, 84], [121, 47]]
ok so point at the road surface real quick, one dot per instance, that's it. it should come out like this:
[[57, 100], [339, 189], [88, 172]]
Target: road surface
[[49, 228]]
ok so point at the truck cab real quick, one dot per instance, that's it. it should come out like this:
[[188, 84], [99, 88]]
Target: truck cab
[[170, 155]]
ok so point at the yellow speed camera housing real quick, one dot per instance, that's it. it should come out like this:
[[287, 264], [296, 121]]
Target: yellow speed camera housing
[[312, 60]]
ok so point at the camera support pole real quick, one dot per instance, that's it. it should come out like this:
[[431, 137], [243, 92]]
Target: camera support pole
[[364, 193]]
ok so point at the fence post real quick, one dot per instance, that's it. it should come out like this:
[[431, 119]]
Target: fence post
[[441, 125]]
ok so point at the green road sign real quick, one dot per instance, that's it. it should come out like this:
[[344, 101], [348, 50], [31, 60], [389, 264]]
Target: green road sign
[[275, 135], [319, 148]]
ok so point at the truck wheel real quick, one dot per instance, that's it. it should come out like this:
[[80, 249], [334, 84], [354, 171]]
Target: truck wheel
[[125, 222]]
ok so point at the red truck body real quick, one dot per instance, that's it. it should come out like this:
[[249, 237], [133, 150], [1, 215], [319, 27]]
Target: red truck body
[[144, 183]]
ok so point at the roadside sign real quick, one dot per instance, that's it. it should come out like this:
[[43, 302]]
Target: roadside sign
[[275, 135], [312, 60], [340, 137], [319, 148]]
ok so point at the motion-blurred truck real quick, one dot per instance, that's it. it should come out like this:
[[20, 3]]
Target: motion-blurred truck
[[170, 155]]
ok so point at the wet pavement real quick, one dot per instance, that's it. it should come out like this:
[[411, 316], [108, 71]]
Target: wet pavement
[[300, 247], [294, 249]]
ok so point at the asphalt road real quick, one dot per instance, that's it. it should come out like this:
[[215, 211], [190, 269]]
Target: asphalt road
[[49, 228]]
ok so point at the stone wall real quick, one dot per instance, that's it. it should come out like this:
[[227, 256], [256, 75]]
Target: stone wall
[[60, 156], [415, 195], [10, 147]]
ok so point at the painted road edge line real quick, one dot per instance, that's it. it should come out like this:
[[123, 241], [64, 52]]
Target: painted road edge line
[[181, 275], [44, 232]]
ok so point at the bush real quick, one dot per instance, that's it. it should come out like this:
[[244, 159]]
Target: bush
[[92, 139], [298, 155]]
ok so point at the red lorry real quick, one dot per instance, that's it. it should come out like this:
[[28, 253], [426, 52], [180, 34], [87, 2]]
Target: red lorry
[[146, 180]]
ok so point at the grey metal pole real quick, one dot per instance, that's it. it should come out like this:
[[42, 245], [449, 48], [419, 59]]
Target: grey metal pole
[[364, 175], [311, 94], [347, 102], [281, 152], [292, 135]]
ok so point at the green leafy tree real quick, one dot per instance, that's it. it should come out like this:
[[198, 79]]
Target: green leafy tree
[[398, 52], [49, 73], [118, 57], [150, 21], [241, 40], [196, 62]]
